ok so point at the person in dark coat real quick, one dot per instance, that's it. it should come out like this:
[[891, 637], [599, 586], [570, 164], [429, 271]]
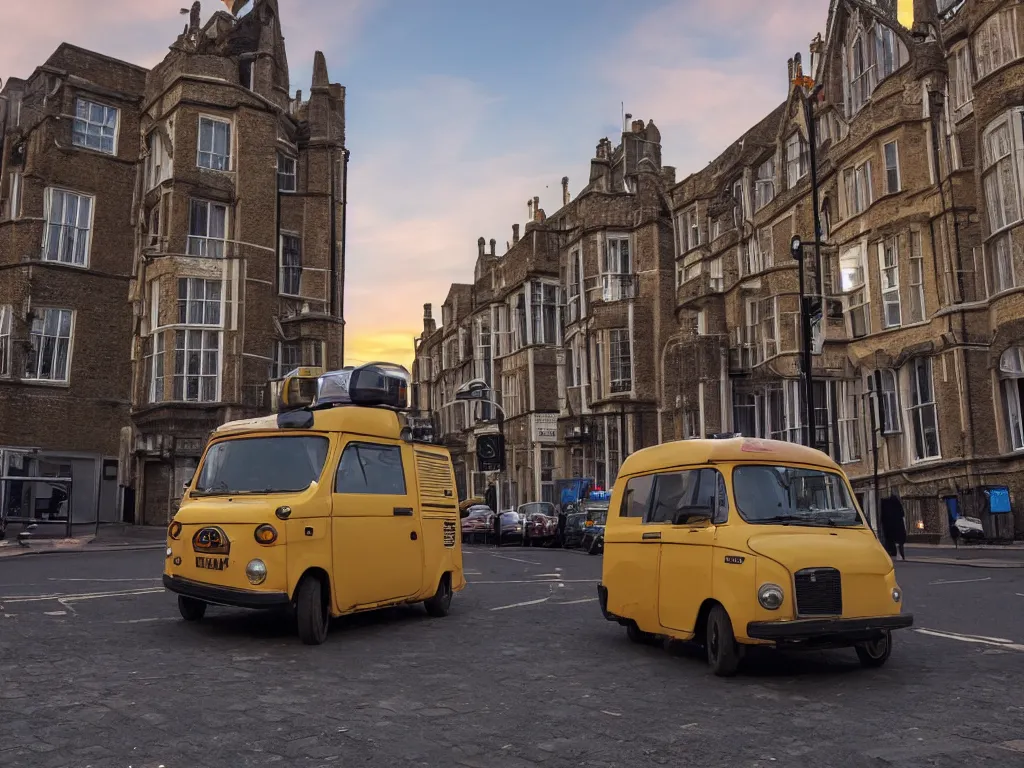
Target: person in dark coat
[[894, 525], [491, 497]]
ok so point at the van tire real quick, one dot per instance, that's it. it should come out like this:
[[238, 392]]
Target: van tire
[[190, 608], [638, 636], [874, 655], [312, 615], [723, 651], [439, 605]]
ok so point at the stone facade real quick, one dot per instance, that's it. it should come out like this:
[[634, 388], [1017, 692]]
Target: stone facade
[[171, 241], [919, 151]]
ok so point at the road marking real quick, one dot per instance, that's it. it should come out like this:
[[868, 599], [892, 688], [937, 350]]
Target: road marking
[[546, 575], [958, 581], [102, 580], [613, 714], [996, 641], [56, 613], [520, 605], [543, 581], [147, 621], [63, 596], [515, 559], [576, 602]]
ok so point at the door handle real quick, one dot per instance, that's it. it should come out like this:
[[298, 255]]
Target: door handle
[[403, 512], [652, 535]]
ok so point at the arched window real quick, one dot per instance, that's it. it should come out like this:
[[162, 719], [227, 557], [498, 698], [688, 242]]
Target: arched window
[[1011, 371]]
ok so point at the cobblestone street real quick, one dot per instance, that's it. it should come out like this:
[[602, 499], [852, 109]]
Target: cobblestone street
[[98, 670]]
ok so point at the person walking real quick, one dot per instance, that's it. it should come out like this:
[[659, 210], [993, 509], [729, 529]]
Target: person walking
[[894, 525]]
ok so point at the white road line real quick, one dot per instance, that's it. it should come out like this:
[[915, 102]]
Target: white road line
[[994, 641], [1020, 594], [546, 575], [576, 602], [63, 596], [514, 559], [958, 581], [103, 580], [56, 613], [542, 581], [147, 621], [520, 605]]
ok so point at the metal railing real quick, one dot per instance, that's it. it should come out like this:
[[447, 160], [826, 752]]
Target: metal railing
[[63, 512]]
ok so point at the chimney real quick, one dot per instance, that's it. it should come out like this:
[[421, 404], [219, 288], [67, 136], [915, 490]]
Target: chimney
[[480, 247], [429, 326], [789, 79], [529, 210], [493, 244], [536, 209], [565, 190], [515, 234]]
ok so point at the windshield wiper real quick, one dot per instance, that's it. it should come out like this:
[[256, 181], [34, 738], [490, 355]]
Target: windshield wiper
[[789, 519]]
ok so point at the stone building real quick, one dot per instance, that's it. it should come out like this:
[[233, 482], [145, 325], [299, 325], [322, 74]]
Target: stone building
[[176, 238], [919, 151], [918, 147]]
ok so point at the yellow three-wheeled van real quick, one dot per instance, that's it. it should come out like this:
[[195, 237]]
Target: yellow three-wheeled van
[[329, 507]]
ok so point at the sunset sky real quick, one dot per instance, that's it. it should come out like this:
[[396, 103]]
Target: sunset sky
[[460, 111]]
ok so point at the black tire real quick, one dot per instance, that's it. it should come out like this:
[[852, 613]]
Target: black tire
[[439, 605], [190, 608], [312, 616], [723, 652], [874, 654], [594, 548], [638, 636]]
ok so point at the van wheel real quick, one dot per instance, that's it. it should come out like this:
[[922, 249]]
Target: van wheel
[[311, 612], [875, 653], [723, 652], [438, 605], [637, 635], [190, 608]]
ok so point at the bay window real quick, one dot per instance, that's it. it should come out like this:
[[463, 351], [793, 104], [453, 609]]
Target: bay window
[[1011, 373], [1001, 147], [617, 273], [916, 287], [921, 410], [544, 313], [620, 361], [995, 42], [999, 263], [207, 229], [854, 287]]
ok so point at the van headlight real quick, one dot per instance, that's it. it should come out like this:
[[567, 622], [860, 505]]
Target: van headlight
[[770, 596], [256, 572], [897, 596]]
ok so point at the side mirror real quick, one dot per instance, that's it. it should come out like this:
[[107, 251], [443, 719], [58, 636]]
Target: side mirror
[[187, 483]]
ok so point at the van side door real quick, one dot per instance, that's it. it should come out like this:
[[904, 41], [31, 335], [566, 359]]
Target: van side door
[[377, 540], [684, 508]]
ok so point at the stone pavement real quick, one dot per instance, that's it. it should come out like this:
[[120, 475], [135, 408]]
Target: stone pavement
[[98, 670], [111, 537]]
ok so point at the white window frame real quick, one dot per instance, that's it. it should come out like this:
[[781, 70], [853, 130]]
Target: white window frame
[[1001, 170], [893, 178], [538, 326], [855, 289], [764, 186], [995, 42], [38, 334], [6, 321], [999, 268], [510, 399], [193, 301], [210, 159], [889, 281], [1011, 375], [202, 245], [617, 268], [848, 421], [288, 272], [717, 278], [184, 343], [620, 361], [159, 162], [77, 233], [768, 326], [688, 223], [17, 190], [917, 409], [84, 129], [156, 365], [961, 76], [890, 396], [287, 181], [797, 152], [917, 311]]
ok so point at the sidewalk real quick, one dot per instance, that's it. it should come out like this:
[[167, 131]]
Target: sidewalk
[[113, 537]]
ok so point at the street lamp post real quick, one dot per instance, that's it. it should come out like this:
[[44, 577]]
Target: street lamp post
[[796, 248], [478, 391]]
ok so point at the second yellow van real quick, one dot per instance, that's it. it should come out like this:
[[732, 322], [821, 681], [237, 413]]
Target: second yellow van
[[739, 542]]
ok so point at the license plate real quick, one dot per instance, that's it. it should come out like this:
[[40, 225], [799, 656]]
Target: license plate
[[212, 563]]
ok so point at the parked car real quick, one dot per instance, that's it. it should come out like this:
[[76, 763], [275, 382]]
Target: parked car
[[970, 528], [590, 510], [478, 524], [540, 523], [511, 527], [593, 531]]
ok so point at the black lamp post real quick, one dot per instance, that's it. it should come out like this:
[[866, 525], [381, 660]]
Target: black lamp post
[[796, 248]]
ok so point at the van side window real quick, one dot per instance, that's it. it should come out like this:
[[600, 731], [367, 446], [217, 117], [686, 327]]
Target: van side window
[[371, 469], [637, 497], [722, 511], [682, 496]]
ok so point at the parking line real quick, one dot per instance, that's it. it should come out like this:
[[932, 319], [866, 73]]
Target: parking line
[[62, 597], [514, 559], [958, 581], [998, 642], [520, 605], [575, 602]]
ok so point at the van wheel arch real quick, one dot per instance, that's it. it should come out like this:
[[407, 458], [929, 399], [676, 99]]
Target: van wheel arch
[[313, 620], [700, 628], [440, 602], [325, 584]]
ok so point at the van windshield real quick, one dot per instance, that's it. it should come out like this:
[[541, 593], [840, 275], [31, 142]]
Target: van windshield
[[793, 495], [262, 465]]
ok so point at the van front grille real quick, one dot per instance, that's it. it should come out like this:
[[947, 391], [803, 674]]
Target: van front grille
[[819, 592]]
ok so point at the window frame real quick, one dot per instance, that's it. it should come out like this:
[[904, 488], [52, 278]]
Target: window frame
[[77, 120], [357, 445], [892, 187], [206, 240], [721, 493], [915, 412], [623, 360], [37, 351], [205, 333], [48, 201], [6, 339], [214, 120], [889, 281], [290, 275], [285, 158], [186, 303]]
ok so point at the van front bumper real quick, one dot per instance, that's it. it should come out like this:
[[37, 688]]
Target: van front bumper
[[237, 598], [827, 630]]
